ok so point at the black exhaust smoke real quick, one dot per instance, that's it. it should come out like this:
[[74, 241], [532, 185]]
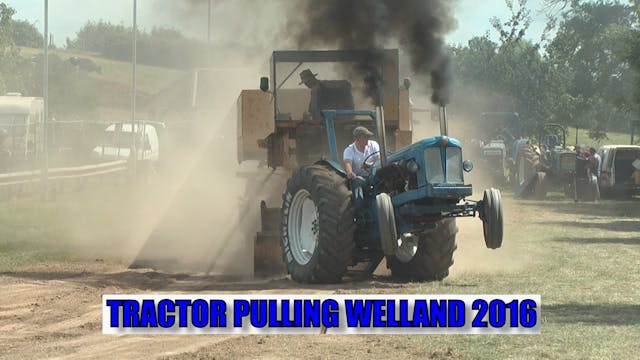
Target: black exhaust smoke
[[417, 26]]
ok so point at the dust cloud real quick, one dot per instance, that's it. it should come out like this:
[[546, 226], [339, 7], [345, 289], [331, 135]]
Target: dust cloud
[[202, 213], [204, 218], [241, 31], [472, 256]]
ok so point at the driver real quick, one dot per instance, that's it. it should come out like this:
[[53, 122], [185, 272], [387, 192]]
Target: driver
[[361, 154]]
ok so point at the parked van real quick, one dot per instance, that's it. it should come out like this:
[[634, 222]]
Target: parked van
[[21, 131], [617, 170]]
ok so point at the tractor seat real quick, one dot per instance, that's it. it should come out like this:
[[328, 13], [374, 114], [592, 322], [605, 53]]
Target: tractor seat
[[552, 141], [330, 94]]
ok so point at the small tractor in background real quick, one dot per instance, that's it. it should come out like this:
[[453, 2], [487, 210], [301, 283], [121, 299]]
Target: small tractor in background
[[552, 164], [405, 210], [496, 135]]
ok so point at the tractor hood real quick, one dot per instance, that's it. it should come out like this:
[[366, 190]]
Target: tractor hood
[[417, 149], [437, 167]]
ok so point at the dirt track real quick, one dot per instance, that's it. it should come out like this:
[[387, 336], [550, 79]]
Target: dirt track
[[55, 310]]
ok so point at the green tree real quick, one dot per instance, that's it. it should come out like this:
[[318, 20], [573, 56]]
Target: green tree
[[72, 93], [9, 53], [590, 46], [70, 90], [513, 29], [161, 47], [631, 53], [510, 75], [26, 34], [99, 37]]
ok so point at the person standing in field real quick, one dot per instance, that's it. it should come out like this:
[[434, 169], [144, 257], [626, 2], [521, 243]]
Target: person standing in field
[[596, 162]]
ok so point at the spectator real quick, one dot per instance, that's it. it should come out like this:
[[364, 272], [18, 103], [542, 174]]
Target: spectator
[[5, 153], [326, 94], [636, 171], [596, 162]]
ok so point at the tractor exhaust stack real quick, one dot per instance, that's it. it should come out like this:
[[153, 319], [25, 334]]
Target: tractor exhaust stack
[[444, 126], [382, 135]]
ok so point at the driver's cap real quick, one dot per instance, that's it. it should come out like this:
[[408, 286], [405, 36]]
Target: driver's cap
[[361, 130]]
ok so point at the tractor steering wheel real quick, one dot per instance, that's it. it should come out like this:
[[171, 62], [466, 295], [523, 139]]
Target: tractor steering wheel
[[370, 155], [365, 164]]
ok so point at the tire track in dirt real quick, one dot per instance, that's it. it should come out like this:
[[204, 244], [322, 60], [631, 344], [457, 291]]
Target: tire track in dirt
[[55, 310], [64, 319]]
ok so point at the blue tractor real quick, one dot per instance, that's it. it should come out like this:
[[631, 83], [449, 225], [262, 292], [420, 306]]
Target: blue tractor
[[405, 210], [496, 139]]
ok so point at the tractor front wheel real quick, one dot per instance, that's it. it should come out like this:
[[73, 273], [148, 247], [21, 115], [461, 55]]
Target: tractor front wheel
[[491, 216], [433, 255], [386, 224], [317, 225]]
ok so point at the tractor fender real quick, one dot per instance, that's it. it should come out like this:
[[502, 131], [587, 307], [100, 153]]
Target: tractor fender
[[337, 167]]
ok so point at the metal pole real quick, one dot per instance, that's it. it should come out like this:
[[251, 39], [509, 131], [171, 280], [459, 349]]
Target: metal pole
[[134, 152], [45, 95], [382, 134], [209, 35], [444, 126]]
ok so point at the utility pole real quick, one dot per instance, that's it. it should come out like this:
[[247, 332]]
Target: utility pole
[[45, 96], [134, 151], [209, 35]]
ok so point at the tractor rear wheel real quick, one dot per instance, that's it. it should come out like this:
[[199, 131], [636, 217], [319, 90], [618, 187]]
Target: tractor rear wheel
[[540, 186], [527, 162], [317, 225], [433, 257], [588, 190]]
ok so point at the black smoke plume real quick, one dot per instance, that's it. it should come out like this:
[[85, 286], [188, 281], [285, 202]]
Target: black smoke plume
[[417, 26]]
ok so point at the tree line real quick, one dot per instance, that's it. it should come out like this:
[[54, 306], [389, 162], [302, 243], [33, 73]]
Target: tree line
[[582, 72], [161, 46]]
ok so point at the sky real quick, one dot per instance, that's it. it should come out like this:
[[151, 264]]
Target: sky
[[67, 16]]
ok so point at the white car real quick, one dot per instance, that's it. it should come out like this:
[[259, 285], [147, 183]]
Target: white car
[[616, 170], [117, 140]]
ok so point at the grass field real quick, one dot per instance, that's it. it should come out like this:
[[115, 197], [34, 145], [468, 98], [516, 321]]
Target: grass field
[[583, 259], [613, 138], [585, 265], [150, 79], [63, 229]]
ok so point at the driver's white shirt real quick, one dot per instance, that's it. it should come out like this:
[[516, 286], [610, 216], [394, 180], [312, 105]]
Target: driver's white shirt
[[353, 155]]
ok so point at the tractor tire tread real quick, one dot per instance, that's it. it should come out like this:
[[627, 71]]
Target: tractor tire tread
[[531, 158], [335, 214], [434, 255]]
